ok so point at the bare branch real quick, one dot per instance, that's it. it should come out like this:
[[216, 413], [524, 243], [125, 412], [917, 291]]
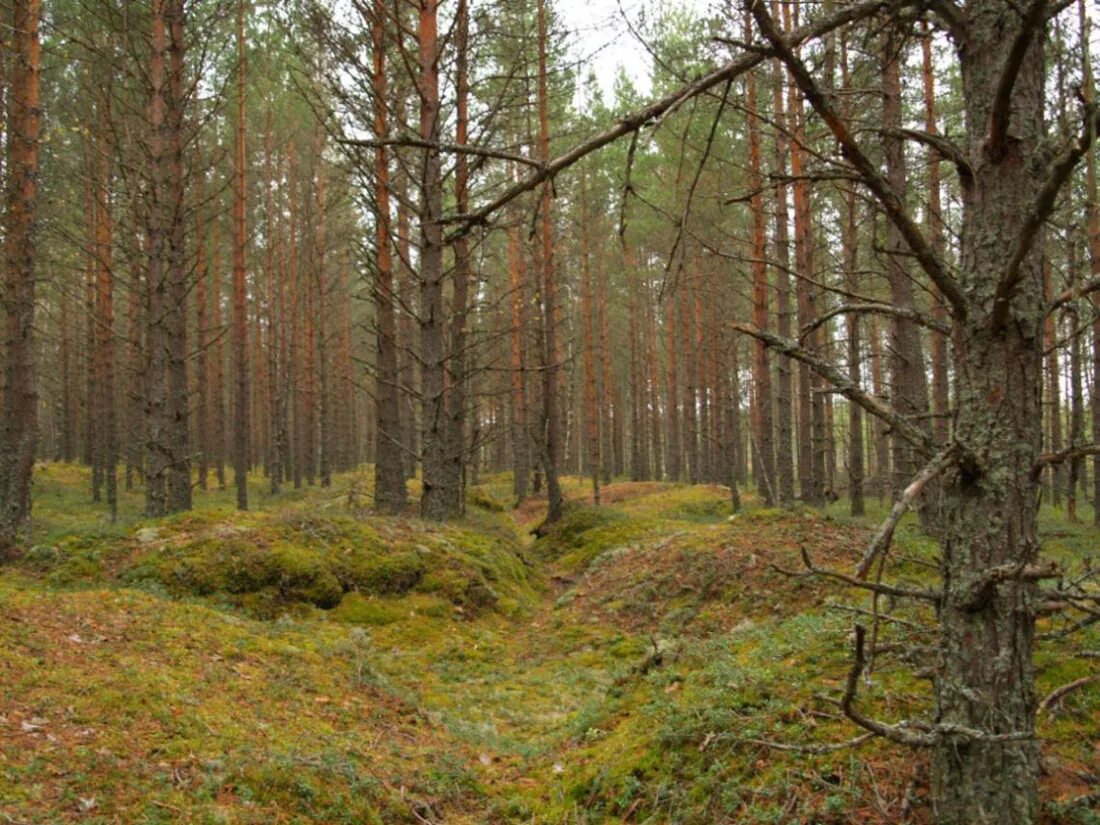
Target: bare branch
[[464, 149], [817, 750], [952, 17], [1062, 456], [1073, 294], [1060, 172], [1057, 695], [881, 309], [980, 592], [1002, 99], [854, 393], [945, 147], [885, 533], [637, 119], [895, 733], [874, 587]]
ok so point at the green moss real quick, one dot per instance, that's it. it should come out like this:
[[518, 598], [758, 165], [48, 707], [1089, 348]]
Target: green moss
[[356, 608], [304, 576], [390, 574], [239, 565], [462, 587]]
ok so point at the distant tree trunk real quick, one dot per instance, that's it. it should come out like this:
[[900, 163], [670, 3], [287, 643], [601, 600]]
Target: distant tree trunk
[[937, 233], [323, 313], [436, 503], [551, 377], [521, 467], [407, 336], [810, 483], [105, 409], [92, 451], [178, 434], [68, 399], [591, 412], [734, 457], [295, 367], [908, 382], [1077, 410], [202, 342], [135, 358], [19, 420], [240, 298], [674, 463], [158, 452], [1053, 394], [609, 410], [654, 387], [784, 389], [637, 436], [216, 425], [389, 464], [456, 398], [702, 386], [881, 439], [687, 358], [1093, 209], [762, 423], [273, 396], [850, 244]]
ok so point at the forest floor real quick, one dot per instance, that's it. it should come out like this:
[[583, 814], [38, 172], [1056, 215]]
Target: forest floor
[[310, 663]]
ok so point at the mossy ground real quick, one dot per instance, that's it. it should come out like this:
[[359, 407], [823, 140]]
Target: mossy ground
[[308, 663]]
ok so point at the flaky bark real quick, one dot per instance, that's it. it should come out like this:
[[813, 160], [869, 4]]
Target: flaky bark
[[19, 419], [436, 501]]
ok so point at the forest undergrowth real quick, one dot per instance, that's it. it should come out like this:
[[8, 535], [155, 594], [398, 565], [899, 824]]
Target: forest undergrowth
[[645, 661]]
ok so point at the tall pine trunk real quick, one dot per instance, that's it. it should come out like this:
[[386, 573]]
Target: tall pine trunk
[[19, 419]]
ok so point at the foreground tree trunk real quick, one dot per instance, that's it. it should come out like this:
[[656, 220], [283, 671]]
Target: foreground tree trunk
[[991, 507], [985, 754], [435, 501], [19, 421]]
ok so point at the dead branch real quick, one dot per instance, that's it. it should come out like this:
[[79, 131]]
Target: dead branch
[[881, 309], [1057, 695], [875, 587], [895, 733], [639, 118], [901, 425], [885, 533]]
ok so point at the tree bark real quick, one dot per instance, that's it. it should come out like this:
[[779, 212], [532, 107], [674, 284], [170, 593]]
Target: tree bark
[[389, 464], [240, 297], [19, 418], [551, 377], [177, 423], [436, 502]]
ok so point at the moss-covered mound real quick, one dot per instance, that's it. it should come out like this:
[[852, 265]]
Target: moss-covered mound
[[585, 532], [277, 560]]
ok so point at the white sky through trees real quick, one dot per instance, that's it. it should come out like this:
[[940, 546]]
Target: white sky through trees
[[603, 39]]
